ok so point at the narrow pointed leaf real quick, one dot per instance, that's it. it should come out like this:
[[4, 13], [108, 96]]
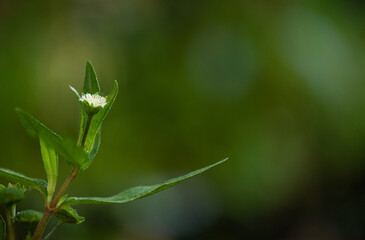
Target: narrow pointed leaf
[[91, 83], [97, 120], [83, 121], [2, 228], [73, 154], [50, 162], [34, 183], [62, 199], [136, 192], [96, 145], [69, 215], [75, 91]]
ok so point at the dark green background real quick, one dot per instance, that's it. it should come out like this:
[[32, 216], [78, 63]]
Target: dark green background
[[276, 86]]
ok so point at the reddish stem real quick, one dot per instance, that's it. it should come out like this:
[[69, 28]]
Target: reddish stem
[[52, 206]]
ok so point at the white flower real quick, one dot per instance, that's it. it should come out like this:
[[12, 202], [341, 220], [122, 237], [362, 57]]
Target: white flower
[[93, 100]]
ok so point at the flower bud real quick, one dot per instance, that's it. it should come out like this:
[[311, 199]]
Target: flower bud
[[93, 103]]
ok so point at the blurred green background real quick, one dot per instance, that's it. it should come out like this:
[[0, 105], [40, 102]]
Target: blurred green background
[[276, 86]]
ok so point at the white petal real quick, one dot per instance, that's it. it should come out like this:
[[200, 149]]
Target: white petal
[[93, 100]]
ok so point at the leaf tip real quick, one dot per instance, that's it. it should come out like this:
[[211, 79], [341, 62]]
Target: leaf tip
[[74, 90], [116, 86], [88, 62], [91, 83], [90, 66], [221, 161], [21, 113]]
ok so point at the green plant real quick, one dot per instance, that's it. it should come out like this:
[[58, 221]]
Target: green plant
[[79, 156]]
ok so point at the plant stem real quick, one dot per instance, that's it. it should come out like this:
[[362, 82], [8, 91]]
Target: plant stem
[[42, 224], [53, 231], [88, 123], [64, 186], [10, 225], [51, 207]]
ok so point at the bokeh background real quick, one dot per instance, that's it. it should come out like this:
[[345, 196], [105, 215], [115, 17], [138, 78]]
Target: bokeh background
[[276, 86]]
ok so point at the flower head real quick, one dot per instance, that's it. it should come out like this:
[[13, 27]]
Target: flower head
[[93, 100]]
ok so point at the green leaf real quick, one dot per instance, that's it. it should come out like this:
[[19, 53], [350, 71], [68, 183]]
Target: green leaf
[[69, 215], [73, 154], [9, 196], [75, 91], [34, 183], [2, 228], [62, 199], [91, 83], [50, 162], [136, 192], [30, 219], [97, 119], [28, 216], [96, 145]]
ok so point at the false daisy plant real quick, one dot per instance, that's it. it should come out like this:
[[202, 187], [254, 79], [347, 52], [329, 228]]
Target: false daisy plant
[[78, 155]]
